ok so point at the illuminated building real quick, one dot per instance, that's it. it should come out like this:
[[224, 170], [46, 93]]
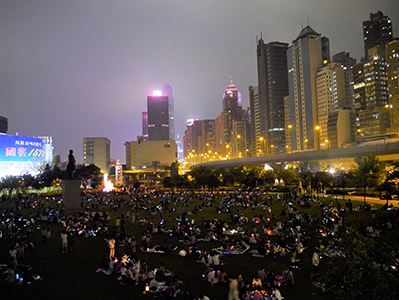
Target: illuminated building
[[330, 85], [150, 154], [23, 154], [187, 139], [239, 141], [158, 117], [233, 112], [272, 88], [97, 151], [376, 31], [220, 135], [392, 59], [167, 91], [144, 122], [306, 55], [347, 62], [370, 94], [255, 120]]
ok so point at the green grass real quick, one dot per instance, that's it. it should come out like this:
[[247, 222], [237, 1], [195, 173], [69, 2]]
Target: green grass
[[73, 275]]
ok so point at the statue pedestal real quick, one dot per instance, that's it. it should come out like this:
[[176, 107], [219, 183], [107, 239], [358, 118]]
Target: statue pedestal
[[71, 196]]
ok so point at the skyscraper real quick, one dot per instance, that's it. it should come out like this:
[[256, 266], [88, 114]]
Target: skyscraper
[[330, 84], [392, 59], [347, 62], [232, 111], [370, 94], [306, 55], [255, 120], [144, 122], [158, 117], [376, 31], [167, 91], [187, 139], [273, 87]]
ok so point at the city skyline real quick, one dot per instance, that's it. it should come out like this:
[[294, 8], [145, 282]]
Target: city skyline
[[81, 69]]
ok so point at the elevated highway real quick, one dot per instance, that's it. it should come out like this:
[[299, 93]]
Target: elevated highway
[[342, 157]]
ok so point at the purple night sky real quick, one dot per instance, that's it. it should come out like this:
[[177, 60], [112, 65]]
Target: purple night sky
[[73, 69]]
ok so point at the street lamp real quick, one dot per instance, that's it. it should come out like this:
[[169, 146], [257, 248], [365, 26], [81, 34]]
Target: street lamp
[[289, 138], [317, 143], [328, 144], [263, 141]]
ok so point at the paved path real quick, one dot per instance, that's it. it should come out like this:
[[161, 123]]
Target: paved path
[[370, 200]]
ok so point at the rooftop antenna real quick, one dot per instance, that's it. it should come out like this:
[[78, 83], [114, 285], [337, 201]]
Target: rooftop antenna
[[308, 21]]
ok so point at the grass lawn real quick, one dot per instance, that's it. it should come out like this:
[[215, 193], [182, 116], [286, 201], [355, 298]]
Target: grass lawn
[[73, 275]]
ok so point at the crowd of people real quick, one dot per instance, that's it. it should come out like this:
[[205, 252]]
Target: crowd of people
[[241, 220]]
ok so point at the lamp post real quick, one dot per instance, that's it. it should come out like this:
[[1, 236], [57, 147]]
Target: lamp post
[[328, 144], [263, 141], [317, 142], [289, 142]]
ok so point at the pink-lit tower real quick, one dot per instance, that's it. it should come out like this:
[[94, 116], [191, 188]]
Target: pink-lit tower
[[232, 110]]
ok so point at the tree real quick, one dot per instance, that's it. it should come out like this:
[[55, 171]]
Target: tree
[[10, 183], [368, 172], [250, 176], [205, 177], [358, 273], [289, 176], [86, 174]]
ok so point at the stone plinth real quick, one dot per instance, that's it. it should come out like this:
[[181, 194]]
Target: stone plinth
[[71, 196]]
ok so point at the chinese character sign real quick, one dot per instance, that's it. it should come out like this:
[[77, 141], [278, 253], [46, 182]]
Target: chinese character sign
[[15, 148]]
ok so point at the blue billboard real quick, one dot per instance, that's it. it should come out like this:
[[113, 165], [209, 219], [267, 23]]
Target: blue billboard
[[17, 148]]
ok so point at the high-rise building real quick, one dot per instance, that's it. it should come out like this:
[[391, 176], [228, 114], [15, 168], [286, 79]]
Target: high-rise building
[[97, 151], [239, 142], [222, 147], [167, 91], [255, 120], [330, 84], [144, 122], [347, 62], [158, 117], [376, 31], [187, 139], [392, 59], [272, 87], [306, 55], [370, 94], [232, 109]]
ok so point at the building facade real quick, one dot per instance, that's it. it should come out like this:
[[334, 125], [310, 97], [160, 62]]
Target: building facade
[[97, 151], [392, 59], [272, 88], [370, 94], [376, 31], [306, 55], [150, 154], [158, 118], [167, 91], [330, 84]]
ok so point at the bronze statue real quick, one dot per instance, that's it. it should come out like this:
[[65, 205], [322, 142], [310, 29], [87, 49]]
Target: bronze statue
[[71, 164]]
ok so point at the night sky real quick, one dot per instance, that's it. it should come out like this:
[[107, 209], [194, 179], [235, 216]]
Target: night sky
[[74, 69]]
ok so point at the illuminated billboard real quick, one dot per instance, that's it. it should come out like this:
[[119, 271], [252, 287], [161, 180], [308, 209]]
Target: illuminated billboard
[[22, 154]]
